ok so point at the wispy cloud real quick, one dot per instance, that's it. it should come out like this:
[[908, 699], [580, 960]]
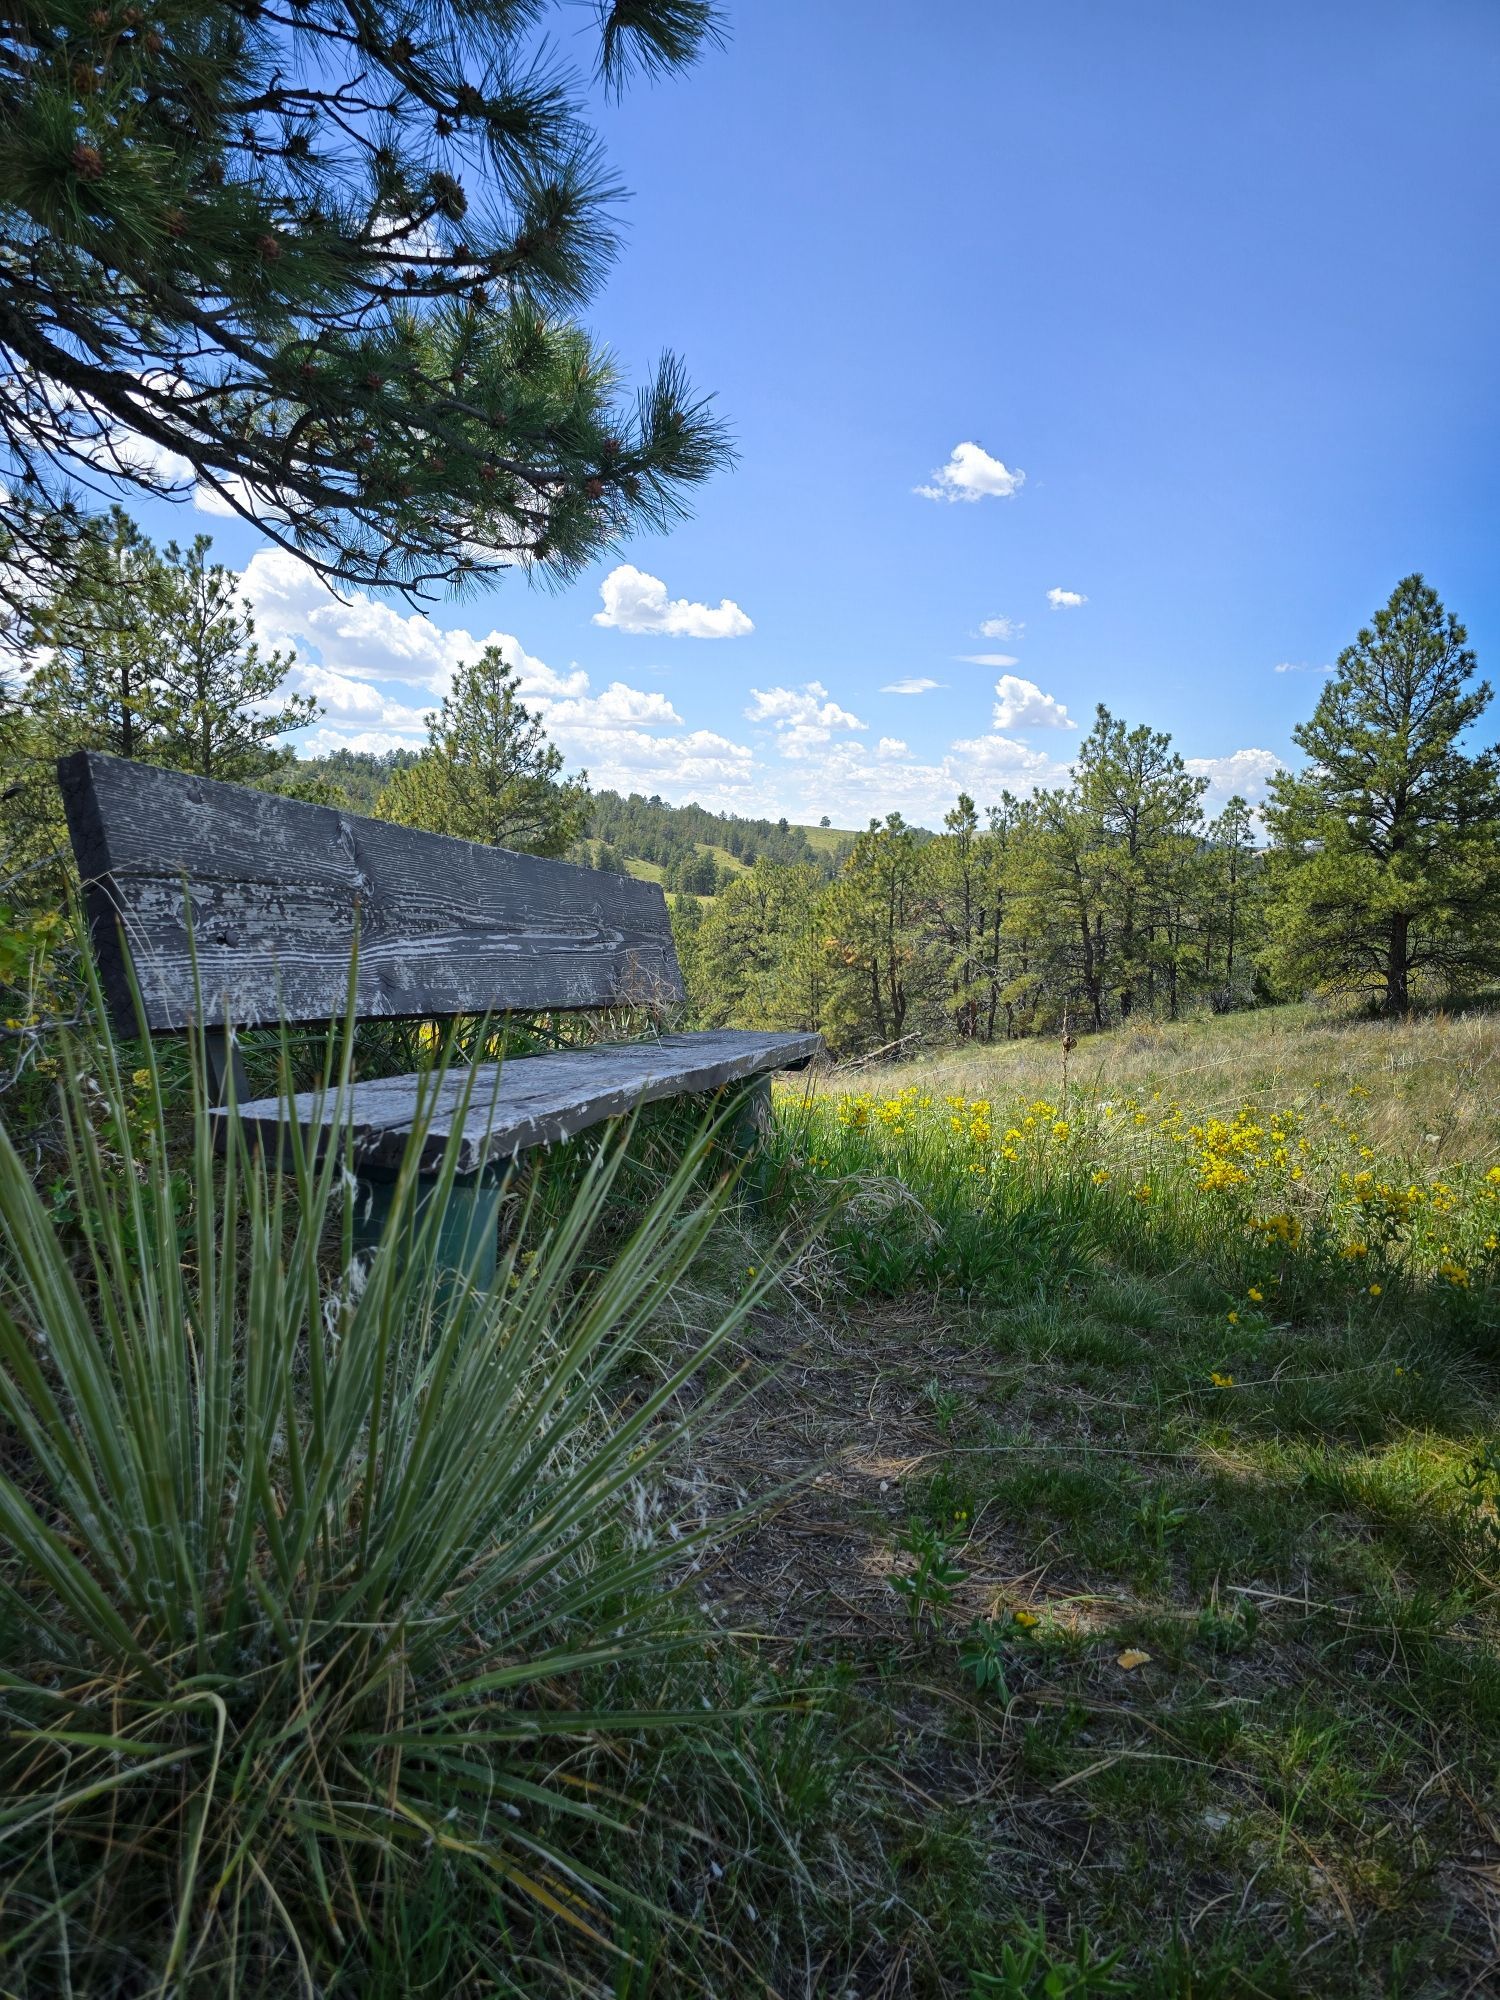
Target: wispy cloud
[[1065, 600], [971, 474], [636, 602], [917, 685], [988, 659], [1299, 667]]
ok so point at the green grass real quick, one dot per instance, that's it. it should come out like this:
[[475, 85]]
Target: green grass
[[827, 839], [1205, 1688], [1079, 1638]]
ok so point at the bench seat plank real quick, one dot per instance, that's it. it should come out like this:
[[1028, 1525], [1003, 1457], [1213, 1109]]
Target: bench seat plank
[[529, 1100]]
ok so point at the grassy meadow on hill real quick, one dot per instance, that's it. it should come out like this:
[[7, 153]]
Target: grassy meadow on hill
[[1135, 1513]]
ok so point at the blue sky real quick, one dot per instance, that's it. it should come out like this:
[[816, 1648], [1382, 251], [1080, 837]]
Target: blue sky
[[1221, 282]]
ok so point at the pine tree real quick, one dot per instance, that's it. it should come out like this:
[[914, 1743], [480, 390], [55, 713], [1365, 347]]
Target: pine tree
[[874, 916], [489, 773], [752, 959], [150, 653], [99, 641], [1386, 842], [1143, 803], [1055, 898], [1230, 896], [216, 693], [964, 872], [320, 260]]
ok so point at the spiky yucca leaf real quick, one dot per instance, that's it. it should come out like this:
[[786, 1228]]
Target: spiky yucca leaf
[[303, 1554]]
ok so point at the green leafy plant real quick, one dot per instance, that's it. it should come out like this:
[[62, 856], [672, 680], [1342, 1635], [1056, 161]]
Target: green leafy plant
[[1032, 1970], [928, 1585], [982, 1658], [1479, 1486], [305, 1561]]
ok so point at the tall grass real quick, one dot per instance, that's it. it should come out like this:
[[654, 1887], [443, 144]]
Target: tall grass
[[1278, 1199], [306, 1559]]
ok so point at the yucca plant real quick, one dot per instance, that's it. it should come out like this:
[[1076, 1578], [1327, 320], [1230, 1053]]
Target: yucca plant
[[305, 1557]]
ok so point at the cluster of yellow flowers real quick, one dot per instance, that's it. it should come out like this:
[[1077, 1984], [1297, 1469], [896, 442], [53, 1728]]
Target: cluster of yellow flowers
[[1289, 1177]]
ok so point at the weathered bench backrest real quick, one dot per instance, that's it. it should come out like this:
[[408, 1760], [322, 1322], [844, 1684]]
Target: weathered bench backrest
[[277, 888]]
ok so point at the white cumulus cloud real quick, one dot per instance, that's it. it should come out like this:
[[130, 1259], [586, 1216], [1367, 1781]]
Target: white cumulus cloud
[[370, 641], [804, 718], [1022, 705], [617, 704], [890, 746], [1002, 628], [345, 700], [916, 685], [636, 602], [372, 665], [1003, 754], [1248, 772], [1065, 600], [971, 474]]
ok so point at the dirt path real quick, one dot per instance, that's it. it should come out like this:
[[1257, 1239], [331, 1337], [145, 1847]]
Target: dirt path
[[837, 1420]]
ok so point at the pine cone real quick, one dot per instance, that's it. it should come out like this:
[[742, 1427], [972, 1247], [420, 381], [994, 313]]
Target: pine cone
[[448, 194], [87, 163], [269, 247]]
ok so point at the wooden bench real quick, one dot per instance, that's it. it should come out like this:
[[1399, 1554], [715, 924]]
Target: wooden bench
[[250, 904]]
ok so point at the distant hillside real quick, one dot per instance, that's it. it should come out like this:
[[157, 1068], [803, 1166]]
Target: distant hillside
[[690, 849], [686, 848]]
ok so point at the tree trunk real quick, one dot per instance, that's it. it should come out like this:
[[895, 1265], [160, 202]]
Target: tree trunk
[[1396, 996]]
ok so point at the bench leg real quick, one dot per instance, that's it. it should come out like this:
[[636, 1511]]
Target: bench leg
[[747, 1133], [468, 1232]]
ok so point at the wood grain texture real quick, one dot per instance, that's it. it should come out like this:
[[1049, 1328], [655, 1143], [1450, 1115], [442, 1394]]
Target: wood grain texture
[[276, 889], [505, 1109]]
